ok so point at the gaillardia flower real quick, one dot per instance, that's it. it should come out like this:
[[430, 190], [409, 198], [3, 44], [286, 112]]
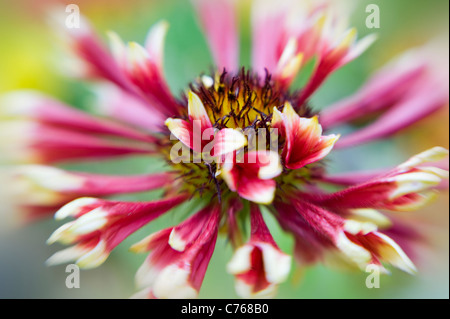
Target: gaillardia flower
[[237, 140]]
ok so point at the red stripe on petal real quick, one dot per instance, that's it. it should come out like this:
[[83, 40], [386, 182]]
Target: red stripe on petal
[[30, 104], [54, 145], [255, 277], [259, 231], [101, 185]]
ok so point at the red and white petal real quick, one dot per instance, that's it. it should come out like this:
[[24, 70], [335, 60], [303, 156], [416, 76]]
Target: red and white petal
[[257, 190], [228, 140], [65, 183], [229, 175], [183, 131], [434, 154], [189, 230], [198, 131], [35, 142], [197, 112], [310, 245], [144, 73], [101, 225], [252, 176], [128, 108], [267, 33], [333, 58], [381, 194], [87, 223], [416, 181], [382, 91], [358, 48], [97, 185], [359, 227], [289, 64], [407, 187], [421, 102], [276, 263], [78, 207], [155, 43], [161, 255], [67, 255], [93, 58], [184, 278], [355, 241], [349, 251], [304, 141], [411, 77], [385, 249], [87, 255], [283, 32], [143, 68], [178, 273], [95, 256], [371, 216], [259, 265], [118, 49], [220, 26], [278, 121], [27, 181], [173, 282], [333, 239], [252, 282], [269, 163]]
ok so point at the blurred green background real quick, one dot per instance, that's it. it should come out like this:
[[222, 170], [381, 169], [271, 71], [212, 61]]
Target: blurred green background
[[29, 59]]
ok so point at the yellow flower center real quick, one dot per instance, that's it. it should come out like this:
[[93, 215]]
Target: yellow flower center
[[241, 101]]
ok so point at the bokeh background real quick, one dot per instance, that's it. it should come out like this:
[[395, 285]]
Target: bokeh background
[[29, 57]]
